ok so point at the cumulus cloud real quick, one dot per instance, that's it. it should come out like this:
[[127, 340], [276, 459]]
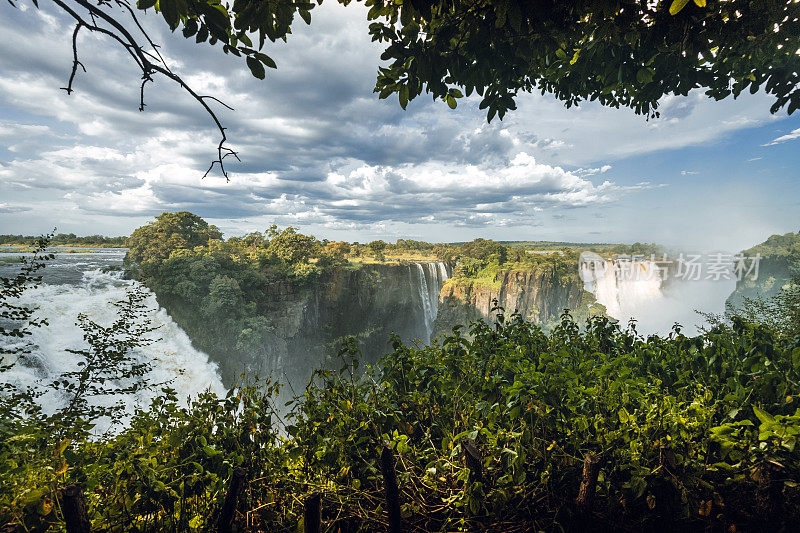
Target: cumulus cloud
[[359, 197], [5, 208], [317, 146]]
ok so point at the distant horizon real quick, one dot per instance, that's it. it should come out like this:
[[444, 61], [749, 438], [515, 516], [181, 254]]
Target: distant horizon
[[393, 240], [77, 236]]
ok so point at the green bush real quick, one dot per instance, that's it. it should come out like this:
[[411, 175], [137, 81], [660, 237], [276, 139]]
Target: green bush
[[681, 423]]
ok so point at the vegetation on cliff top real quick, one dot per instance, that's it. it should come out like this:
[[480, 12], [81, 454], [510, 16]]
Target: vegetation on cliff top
[[66, 239], [482, 263], [777, 278], [778, 246], [638, 248]]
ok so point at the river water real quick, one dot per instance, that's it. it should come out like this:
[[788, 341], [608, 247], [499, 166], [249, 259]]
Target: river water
[[75, 283]]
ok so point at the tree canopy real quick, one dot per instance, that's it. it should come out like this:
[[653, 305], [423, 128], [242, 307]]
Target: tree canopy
[[620, 53], [625, 53], [169, 233]]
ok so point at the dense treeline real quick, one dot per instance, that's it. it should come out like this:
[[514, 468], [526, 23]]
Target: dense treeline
[[185, 234], [66, 239], [776, 246], [637, 248]]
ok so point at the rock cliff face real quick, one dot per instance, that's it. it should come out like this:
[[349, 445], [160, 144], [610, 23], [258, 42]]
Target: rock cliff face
[[539, 294], [306, 324], [302, 326], [774, 274]]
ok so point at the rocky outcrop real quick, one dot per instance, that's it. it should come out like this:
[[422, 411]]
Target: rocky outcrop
[[538, 294], [774, 274], [305, 324]]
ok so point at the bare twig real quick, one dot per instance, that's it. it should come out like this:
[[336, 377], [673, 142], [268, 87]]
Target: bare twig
[[75, 62], [220, 102], [148, 62]]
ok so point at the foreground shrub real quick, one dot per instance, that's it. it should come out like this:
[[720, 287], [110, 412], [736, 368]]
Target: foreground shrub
[[688, 433]]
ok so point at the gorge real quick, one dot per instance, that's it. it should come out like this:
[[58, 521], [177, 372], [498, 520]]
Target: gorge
[[223, 314], [300, 326], [303, 325]]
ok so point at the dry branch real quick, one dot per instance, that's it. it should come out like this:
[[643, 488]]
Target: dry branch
[[149, 63]]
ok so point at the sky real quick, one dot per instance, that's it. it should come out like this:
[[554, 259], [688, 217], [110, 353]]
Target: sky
[[322, 153]]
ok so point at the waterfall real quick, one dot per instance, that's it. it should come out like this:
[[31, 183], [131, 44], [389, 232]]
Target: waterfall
[[425, 298], [623, 287], [172, 355], [443, 275], [426, 284], [434, 286]]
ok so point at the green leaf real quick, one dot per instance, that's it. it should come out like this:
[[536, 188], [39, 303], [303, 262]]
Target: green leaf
[[169, 10], [451, 102], [190, 28], [676, 6], [268, 61], [644, 75], [256, 68], [202, 34], [210, 452], [146, 4], [403, 96], [762, 415]]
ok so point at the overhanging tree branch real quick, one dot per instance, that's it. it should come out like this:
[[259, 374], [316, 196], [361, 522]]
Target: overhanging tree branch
[[149, 63], [620, 53], [75, 62]]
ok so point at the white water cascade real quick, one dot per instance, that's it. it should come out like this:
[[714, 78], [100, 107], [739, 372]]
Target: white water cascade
[[637, 289], [172, 356], [429, 280], [623, 287]]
